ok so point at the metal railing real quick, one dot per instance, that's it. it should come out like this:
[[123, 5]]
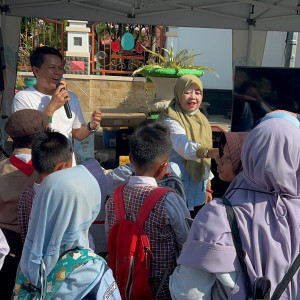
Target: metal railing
[[36, 32], [109, 49], [109, 53]]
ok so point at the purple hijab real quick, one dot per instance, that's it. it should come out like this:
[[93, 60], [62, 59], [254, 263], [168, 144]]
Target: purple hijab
[[265, 198]]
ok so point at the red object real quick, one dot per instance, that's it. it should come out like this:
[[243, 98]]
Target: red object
[[129, 249], [210, 191], [115, 46], [215, 128], [26, 168], [77, 65], [138, 48]]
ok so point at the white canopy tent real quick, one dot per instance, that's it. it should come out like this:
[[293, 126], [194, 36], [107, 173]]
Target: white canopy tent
[[280, 15]]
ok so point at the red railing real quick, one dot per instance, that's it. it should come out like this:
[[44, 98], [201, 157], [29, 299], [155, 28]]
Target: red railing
[[108, 56], [36, 32]]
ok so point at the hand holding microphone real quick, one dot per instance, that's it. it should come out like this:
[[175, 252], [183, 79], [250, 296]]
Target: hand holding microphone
[[66, 105]]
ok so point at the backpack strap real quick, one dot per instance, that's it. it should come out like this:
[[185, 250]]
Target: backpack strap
[[241, 255], [66, 264], [119, 204], [286, 279], [149, 204], [237, 242]]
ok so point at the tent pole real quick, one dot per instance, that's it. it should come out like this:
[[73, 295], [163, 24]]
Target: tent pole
[[249, 44], [290, 49]]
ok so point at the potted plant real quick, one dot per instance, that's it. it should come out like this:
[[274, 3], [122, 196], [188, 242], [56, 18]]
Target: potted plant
[[164, 70]]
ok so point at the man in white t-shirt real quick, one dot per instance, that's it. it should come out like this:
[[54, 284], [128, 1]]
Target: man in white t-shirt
[[47, 67]]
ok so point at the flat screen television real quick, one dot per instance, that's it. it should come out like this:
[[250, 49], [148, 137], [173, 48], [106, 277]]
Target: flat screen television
[[259, 90]]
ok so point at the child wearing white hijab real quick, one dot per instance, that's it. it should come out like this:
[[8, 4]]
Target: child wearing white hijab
[[64, 208]]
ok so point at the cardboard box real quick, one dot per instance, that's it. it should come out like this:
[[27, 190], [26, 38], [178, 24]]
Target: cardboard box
[[122, 119], [123, 160]]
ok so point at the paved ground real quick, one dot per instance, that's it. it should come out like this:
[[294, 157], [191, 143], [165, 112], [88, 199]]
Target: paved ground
[[221, 121]]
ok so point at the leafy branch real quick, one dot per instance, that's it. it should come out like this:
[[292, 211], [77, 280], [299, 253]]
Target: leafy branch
[[182, 60]]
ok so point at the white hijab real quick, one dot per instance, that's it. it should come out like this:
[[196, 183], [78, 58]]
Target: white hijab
[[64, 208]]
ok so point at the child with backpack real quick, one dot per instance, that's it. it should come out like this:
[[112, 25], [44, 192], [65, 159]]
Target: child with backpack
[[51, 152], [122, 173], [140, 214], [56, 261]]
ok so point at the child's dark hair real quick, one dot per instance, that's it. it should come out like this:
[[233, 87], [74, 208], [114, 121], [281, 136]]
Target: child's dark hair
[[150, 142], [222, 143], [48, 149], [37, 58]]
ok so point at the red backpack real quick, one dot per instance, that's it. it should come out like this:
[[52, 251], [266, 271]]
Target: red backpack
[[129, 248]]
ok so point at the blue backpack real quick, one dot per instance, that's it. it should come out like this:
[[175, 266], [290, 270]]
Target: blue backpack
[[66, 264]]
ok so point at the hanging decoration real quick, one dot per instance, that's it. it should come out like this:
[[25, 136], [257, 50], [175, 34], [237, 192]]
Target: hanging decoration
[[127, 41]]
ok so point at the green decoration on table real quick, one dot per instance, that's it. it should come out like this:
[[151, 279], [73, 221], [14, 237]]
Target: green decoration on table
[[172, 65], [169, 72]]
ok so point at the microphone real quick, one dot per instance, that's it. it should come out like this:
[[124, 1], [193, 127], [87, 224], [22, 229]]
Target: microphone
[[66, 105]]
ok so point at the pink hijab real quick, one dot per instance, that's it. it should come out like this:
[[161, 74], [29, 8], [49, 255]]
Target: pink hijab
[[235, 142], [265, 198]]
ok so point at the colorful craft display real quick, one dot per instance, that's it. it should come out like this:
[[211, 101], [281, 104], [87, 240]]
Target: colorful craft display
[[139, 49], [127, 41], [127, 44], [115, 46]]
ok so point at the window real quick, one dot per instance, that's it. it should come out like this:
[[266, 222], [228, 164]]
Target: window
[[77, 41]]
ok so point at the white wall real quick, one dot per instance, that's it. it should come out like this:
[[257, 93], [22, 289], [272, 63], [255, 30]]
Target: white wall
[[216, 46], [274, 53]]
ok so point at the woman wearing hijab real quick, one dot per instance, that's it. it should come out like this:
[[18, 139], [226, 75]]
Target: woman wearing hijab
[[191, 138], [264, 197], [65, 206]]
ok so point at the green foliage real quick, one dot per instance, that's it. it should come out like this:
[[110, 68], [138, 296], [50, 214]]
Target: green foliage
[[37, 32], [182, 60]]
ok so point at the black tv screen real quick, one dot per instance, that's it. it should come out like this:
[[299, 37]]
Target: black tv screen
[[259, 90]]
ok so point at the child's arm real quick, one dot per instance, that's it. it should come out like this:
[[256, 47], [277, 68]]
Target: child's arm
[[119, 175], [176, 212]]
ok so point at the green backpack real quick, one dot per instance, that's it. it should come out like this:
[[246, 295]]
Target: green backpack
[[66, 264]]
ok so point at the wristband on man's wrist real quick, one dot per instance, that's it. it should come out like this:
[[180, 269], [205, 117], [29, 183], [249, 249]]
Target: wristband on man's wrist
[[50, 119], [90, 129]]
